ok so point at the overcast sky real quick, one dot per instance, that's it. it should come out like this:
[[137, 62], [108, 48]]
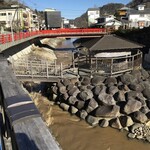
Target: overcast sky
[[70, 8]]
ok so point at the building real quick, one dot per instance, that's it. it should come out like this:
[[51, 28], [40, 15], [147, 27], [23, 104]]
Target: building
[[92, 15], [139, 17], [65, 23], [107, 55], [16, 18], [35, 22], [109, 22], [71, 23], [52, 18], [122, 13]]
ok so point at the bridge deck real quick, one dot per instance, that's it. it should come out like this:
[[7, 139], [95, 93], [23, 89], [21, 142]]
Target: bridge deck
[[12, 39], [28, 132]]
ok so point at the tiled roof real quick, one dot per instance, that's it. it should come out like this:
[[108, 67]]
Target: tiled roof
[[108, 42], [124, 8], [134, 11]]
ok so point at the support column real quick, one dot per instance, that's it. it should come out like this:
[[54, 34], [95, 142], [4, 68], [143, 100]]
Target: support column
[[111, 67]]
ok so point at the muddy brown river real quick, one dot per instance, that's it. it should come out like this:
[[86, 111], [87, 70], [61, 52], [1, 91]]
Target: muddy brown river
[[75, 134]]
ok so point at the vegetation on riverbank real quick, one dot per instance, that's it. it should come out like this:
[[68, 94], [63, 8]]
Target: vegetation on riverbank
[[141, 36]]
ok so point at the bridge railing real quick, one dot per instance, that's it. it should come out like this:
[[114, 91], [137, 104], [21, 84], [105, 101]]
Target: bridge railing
[[11, 37]]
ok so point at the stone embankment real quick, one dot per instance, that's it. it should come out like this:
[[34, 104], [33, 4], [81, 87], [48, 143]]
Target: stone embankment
[[121, 102], [39, 52]]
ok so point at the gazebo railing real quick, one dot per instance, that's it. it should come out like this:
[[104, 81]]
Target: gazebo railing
[[111, 66]]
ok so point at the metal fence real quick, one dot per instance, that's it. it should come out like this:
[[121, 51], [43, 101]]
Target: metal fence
[[37, 69], [109, 66]]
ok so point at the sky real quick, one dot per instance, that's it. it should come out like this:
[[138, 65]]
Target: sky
[[70, 9]]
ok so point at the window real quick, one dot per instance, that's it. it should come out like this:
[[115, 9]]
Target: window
[[141, 15], [97, 12], [10, 14], [2, 14]]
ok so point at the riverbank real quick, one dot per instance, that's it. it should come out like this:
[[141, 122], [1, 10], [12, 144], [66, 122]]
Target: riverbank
[[46, 51]]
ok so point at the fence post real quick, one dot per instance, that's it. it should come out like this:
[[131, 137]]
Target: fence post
[[111, 67], [31, 69], [91, 68], [61, 68], [73, 63], [96, 65], [55, 71], [47, 69], [132, 62]]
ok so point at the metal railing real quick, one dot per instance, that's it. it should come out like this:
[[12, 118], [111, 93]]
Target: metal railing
[[110, 66], [37, 69], [6, 38]]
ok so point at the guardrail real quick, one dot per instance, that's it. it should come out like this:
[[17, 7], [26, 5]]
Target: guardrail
[[37, 69], [11, 37], [109, 66]]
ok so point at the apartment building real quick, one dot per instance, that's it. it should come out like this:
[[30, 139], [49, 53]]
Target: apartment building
[[137, 18], [52, 18], [92, 15], [17, 18]]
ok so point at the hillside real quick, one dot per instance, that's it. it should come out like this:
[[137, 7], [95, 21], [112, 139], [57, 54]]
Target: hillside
[[109, 9], [134, 3], [81, 22], [104, 10], [8, 3]]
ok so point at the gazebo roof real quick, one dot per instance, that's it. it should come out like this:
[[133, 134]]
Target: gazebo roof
[[107, 42]]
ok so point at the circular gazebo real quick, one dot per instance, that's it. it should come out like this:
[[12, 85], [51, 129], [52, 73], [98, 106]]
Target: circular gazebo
[[108, 55]]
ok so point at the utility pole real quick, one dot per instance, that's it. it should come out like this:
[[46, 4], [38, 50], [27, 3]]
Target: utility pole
[[12, 21]]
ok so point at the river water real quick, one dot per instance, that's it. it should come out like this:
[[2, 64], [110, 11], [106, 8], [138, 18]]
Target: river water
[[75, 134]]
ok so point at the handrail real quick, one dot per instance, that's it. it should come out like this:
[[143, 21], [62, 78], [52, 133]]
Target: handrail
[[11, 37], [111, 67], [37, 69]]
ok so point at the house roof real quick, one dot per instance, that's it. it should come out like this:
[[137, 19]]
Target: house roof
[[113, 21], [93, 9], [134, 11], [108, 42], [124, 8]]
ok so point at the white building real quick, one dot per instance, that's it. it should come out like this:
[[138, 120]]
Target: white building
[[34, 22], [139, 17], [93, 14], [17, 18], [65, 23], [109, 22]]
